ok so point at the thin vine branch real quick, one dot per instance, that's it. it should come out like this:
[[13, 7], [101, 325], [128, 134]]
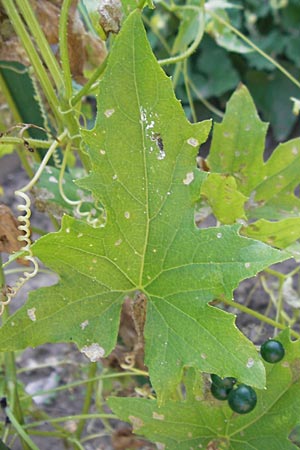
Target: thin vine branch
[[257, 49], [259, 316]]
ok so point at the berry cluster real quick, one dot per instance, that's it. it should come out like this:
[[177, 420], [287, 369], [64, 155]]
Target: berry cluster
[[242, 398]]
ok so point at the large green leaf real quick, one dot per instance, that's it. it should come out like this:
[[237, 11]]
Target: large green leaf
[[201, 421], [143, 153], [237, 150]]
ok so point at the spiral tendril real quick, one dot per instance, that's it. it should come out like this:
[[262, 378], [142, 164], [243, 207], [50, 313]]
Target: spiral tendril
[[24, 226], [25, 237], [57, 159]]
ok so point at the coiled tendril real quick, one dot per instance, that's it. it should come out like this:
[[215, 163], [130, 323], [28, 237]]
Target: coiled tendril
[[24, 226], [25, 237]]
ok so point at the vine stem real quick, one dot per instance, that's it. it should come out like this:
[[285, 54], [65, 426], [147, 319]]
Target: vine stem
[[88, 398], [206, 103], [41, 41], [130, 373], [188, 91], [63, 47], [11, 379], [43, 164], [141, 4], [190, 50], [40, 143], [20, 430], [89, 84], [68, 418], [257, 49], [259, 316], [33, 55]]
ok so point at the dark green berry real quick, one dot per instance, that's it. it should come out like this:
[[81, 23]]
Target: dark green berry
[[221, 387], [227, 382], [272, 351], [243, 399], [219, 392]]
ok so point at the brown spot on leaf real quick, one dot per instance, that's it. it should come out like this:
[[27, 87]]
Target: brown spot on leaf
[[137, 422], [123, 439]]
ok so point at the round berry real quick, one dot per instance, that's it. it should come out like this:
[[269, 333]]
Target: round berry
[[243, 399], [272, 351], [221, 387], [219, 392], [227, 382]]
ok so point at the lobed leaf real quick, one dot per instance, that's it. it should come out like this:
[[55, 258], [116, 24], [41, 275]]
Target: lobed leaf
[[143, 155], [270, 187]]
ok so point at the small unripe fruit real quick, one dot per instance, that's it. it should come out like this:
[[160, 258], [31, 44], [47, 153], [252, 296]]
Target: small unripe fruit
[[243, 399], [272, 351]]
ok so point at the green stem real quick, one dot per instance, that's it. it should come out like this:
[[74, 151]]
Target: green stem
[[190, 50], [279, 311], [97, 378], [86, 88], [11, 378], [188, 91], [274, 273], [259, 316], [88, 398], [75, 443], [46, 158], [91, 437], [39, 143], [63, 48], [206, 103], [67, 110], [176, 74], [277, 302], [34, 57], [257, 49], [30, 445], [72, 417], [141, 4], [41, 42]]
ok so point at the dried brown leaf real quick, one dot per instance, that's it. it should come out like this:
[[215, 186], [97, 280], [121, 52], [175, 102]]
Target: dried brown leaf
[[9, 233]]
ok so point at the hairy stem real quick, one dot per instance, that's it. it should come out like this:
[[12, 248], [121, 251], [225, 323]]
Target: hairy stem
[[33, 55]]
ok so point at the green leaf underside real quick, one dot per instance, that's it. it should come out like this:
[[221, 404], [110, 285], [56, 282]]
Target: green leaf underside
[[197, 422], [237, 150], [143, 153]]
